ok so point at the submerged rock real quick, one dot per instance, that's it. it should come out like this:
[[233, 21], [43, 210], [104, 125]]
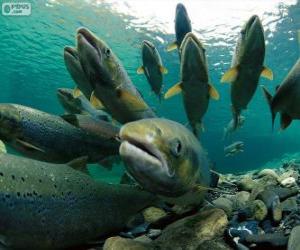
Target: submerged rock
[[240, 200], [294, 240], [224, 204], [153, 214], [247, 184], [118, 242], [259, 210], [267, 240], [289, 205], [196, 232]]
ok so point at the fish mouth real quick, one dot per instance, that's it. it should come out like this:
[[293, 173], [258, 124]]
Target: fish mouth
[[142, 155], [148, 44], [253, 25], [72, 52], [86, 36], [64, 93]]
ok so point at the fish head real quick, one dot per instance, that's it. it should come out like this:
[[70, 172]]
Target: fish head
[[66, 95], [193, 53], [97, 59], [253, 35], [180, 10], [10, 121], [163, 156], [71, 58], [182, 23], [148, 50]]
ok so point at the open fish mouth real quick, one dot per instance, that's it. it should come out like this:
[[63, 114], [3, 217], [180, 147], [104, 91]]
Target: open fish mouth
[[64, 94], [88, 37], [141, 151], [71, 52]]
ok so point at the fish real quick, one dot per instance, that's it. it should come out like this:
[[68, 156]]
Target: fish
[[286, 99], [165, 158], [79, 105], [152, 67], [182, 26], [50, 138], [229, 129], [75, 69], [247, 66], [194, 82], [53, 206], [110, 81], [234, 148]]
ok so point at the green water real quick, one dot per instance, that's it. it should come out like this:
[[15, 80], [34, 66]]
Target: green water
[[32, 65]]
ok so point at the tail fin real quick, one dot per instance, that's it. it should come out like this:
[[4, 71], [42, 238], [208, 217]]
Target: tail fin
[[269, 98]]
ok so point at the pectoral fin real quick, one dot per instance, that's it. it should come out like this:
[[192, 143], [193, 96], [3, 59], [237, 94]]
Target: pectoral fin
[[172, 46], [213, 92], [29, 146], [230, 75], [140, 70], [135, 103], [176, 89], [269, 98], [285, 121], [79, 164], [96, 103], [267, 73], [77, 92], [163, 70]]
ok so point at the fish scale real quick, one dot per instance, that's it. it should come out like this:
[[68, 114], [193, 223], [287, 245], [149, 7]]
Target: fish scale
[[46, 205]]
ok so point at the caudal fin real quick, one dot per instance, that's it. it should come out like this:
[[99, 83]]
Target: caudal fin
[[269, 98]]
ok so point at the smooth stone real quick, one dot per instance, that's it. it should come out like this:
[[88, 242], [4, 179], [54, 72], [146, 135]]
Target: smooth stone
[[195, 232], [247, 184], [268, 240], [289, 205], [259, 210], [294, 239], [224, 204], [153, 214], [276, 210], [240, 200], [267, 196], [284, 192], [118, 242], [267, 180], [154, 233], [143, 239], [288, 182], [268, 172]]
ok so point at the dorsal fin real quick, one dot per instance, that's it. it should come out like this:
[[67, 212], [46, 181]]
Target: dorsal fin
[[79, 164]]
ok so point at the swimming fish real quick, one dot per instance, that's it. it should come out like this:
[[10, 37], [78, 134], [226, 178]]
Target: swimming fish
[[75, 69], [234, 148], [182, 26], [152, 67], [50, 138], [229, 129], [194, 82], [52, 206], [286, 100], [111, 83], [247, 66], [165, 158], [79, 104]]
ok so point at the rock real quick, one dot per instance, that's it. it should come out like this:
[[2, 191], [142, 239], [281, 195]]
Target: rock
[[284, 192], [268, 180], [246, 184], [143, 239], [118, 242], [267, 226], [152, 214], [154, 233], [289, 205], [259, 210], [267, 240], [195, 232], [225, 204], [294, 239], [276, 210], [240, 200], [243, 229], [288, 182], [268, 172]]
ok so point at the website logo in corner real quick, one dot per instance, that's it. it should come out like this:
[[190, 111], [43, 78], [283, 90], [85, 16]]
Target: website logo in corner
[[16, 9]]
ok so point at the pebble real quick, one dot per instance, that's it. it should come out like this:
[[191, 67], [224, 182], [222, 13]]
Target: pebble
[[152, 214], [246, 184], [288, 182], [259, 210], [225, 204]]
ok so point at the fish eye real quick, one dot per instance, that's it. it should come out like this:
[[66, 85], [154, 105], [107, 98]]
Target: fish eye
[[107, 52], [176, 148]]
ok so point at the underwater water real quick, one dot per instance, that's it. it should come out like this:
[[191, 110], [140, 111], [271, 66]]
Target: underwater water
[[32, 65]]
